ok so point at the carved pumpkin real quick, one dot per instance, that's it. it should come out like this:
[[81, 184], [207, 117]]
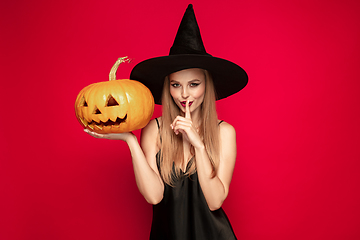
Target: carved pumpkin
[[114, 106]]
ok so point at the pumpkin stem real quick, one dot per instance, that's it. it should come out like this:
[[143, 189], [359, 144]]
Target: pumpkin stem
[[112, 74]]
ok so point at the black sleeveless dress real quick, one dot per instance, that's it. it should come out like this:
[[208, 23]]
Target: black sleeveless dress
[[183, 213]]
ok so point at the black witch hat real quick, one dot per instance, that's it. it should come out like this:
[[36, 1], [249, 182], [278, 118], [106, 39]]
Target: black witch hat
[[188, 51]]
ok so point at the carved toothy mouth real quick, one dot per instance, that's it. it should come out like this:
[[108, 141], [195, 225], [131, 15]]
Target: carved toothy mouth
[[109, 122]]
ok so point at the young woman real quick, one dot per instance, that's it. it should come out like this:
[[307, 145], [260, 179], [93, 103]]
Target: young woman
[[186, 157]]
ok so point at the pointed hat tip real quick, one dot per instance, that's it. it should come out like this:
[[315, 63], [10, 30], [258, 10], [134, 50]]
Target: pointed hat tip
[[189, 10]]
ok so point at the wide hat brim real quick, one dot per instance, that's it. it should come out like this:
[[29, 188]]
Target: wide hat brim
[[188, 51], [228, 77]]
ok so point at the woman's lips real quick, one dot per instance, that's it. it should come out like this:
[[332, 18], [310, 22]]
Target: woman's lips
[[184, 103]]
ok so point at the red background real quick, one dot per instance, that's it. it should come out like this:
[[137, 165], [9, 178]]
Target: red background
[[297, 121]]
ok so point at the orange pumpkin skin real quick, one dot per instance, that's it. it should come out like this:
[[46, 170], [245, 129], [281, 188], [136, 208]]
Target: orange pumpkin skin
[[114, 106]]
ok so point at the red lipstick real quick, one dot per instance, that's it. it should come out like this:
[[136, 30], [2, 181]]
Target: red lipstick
[[184, 103]]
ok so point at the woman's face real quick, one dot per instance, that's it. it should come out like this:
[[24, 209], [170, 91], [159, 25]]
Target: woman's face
[[188, 84]]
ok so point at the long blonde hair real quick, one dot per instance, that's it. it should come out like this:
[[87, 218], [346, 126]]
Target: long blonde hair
[[172, 152]]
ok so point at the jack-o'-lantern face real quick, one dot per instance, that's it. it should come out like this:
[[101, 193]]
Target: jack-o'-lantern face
[[114, 106], [110, 110]]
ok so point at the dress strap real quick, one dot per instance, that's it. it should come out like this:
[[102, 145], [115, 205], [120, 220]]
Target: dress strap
[[220, 122], [157, 122]]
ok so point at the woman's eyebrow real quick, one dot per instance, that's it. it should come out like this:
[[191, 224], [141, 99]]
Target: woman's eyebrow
[[193, 80]]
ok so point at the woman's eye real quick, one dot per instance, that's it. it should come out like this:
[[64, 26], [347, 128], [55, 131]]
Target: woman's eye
[[194, 84], [175, 85]]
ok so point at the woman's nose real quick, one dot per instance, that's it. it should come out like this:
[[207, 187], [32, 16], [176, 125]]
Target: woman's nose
[[184, 93]]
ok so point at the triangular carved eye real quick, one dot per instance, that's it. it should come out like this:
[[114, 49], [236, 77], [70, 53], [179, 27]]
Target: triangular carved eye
[[83, 102], [111, 102], [96, 110]]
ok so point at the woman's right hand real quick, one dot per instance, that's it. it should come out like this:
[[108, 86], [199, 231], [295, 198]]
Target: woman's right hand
[[112, 136]]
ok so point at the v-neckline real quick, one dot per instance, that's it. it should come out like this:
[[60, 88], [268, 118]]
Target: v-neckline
[[188, 165]]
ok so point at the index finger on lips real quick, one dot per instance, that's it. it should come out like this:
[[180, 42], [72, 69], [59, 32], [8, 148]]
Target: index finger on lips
[[187, 110]]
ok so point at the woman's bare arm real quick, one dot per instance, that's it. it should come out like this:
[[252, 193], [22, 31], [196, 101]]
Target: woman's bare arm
[[147, 176], [216, 188]]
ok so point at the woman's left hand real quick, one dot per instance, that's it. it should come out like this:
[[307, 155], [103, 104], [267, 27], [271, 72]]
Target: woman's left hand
[[184, 125], [111, 136]]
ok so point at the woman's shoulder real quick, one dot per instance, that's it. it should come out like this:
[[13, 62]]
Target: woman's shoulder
[[149, 135], [226, 128], [152, 126], [151, 130]]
